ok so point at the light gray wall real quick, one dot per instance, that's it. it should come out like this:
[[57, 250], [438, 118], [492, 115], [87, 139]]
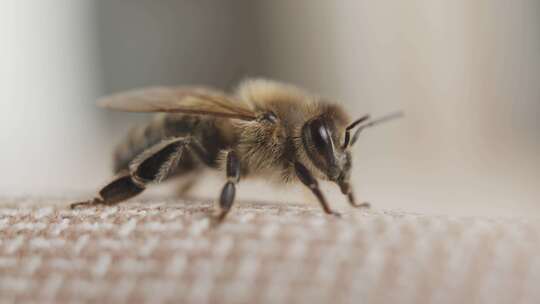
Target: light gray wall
[[465, 73], [58, 56], [48, 78]]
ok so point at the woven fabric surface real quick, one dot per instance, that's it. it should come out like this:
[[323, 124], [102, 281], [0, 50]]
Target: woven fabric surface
[[166, 251]]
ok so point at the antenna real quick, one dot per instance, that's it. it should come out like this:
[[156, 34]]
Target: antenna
[[350, 127], [385, 118]]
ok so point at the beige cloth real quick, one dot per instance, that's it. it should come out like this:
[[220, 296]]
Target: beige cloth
[[165, 252]]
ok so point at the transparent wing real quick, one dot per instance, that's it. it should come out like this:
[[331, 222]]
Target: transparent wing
[[189, 100]]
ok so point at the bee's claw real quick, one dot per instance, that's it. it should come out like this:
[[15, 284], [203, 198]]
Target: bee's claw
[[215, 222], [89, 203], [77, 205], [363, 205], [217, 219], [335, 214]]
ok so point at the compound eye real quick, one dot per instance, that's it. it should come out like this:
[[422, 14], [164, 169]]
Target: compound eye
[[322, 139]]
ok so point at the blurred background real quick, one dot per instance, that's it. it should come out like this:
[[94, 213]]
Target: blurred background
[[466, 73]]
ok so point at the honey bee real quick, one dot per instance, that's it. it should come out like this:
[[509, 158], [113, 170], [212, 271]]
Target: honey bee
[[266, 128]]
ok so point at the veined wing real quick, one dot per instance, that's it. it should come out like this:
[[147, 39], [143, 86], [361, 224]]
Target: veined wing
[[189, 100]]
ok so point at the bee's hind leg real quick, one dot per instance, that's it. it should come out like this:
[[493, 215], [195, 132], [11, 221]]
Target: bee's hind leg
[[120, 189], [153, 165]]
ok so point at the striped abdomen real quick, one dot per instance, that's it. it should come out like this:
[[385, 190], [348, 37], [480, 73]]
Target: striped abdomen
[[206, 130]]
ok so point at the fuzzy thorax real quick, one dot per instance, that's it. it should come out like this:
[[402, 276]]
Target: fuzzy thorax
[[271, 147]]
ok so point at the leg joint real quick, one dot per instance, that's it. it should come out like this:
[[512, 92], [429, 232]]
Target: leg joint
[[154, 164], [233, 167]]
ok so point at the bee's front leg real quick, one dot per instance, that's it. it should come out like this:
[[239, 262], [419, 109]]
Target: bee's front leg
[[347, 190], [307, 179], [228, 193]]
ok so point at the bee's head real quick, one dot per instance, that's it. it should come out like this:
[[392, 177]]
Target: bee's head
[[327, 140], [322, 140]]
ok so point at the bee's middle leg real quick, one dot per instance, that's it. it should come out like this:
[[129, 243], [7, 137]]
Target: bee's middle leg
[[228, 192], [185, 187], [153, 165]]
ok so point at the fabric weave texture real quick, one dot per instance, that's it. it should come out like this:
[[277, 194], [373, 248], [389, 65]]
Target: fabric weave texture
[[167, 252]]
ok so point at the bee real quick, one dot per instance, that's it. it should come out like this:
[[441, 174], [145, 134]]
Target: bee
[[266, 128]]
